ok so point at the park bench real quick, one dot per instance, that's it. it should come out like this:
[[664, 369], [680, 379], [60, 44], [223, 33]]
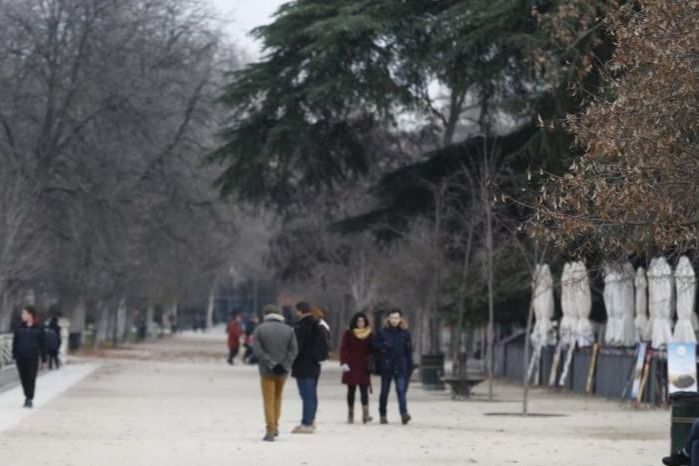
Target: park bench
[[463, 379], [461, 385]]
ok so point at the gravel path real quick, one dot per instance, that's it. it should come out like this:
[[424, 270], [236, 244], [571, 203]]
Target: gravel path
[[176, 402]]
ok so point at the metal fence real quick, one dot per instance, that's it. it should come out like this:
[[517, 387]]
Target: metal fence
[[611, 378], [5, 349]]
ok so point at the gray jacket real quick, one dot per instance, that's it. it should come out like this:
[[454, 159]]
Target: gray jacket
[[274, 343]]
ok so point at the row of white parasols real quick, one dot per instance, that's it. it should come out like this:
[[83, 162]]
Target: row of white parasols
[[639, 304]]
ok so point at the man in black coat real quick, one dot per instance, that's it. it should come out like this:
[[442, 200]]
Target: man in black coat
[[393, 347], [312, 349]]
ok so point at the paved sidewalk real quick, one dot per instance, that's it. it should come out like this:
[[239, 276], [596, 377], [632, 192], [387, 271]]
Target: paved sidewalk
[[176, 402], [49, 386], [8, 378]]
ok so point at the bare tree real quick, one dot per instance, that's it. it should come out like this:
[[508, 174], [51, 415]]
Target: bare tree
[[107, 111]]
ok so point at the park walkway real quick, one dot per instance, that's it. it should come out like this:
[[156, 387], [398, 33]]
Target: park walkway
[[176, 402]]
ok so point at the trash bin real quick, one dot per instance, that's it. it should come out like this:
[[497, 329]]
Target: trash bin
[[432, 371], [685, 409], [75, 340]]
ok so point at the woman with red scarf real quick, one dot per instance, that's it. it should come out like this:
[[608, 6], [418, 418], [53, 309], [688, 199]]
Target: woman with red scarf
[[354, 359]]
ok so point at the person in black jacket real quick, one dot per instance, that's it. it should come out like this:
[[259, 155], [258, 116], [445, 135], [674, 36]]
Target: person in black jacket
[[53, 342], [27, 347], [312, 348], [394, 351]]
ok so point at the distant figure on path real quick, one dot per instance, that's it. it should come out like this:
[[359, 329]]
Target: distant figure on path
[[234, 331], [27, 347], [395, 362], [250, 325], [172, 319], [275, 348], [355, 350], [53, 342], [313, 348]]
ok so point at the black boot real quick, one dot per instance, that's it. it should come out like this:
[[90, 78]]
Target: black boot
[[405, 418], [350, 415], [678, 458]]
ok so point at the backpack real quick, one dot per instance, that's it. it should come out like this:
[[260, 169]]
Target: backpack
[[321, 345]]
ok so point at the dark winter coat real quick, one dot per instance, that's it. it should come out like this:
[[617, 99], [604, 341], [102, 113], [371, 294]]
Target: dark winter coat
[[53, 335], [29, 343], [355, 353], [394, 351], [308, 335], [52, 339]]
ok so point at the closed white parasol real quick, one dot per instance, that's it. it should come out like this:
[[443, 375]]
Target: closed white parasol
[[583, 302], [641, 320], [569, 322], [660, 284], [685, 288], [542, 333], [626, 303]]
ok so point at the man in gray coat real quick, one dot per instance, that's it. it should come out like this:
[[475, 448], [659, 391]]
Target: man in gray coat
[[274, 345]]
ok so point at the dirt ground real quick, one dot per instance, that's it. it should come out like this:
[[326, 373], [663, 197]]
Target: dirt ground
[[176, 402]]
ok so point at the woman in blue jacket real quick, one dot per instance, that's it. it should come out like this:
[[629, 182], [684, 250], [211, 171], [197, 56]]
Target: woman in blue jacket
[[394, 354]]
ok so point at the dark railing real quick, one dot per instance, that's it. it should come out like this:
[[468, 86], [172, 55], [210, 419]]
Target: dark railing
[[612, 376], [5, 349]]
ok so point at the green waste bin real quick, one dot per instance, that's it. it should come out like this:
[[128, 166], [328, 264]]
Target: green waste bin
[[432, 371], [75, 341], [685, 409]]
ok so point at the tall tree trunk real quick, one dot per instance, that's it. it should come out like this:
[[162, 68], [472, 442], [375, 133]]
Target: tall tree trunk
[[101, 327], [434, 325], [525, 365], [78, 315], [485, 193], [150, 315], [129, 322], [256, 298], [174, 310], [462, 292], [211, 305], [6, 311], [122, 323]]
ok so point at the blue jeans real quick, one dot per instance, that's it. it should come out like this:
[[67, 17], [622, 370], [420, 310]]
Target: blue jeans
[[692, 448], [308, 389], [401, 389]]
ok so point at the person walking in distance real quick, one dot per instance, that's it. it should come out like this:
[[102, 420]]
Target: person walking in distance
[[275, 348], [53, 342], [28, 346], [234, 331], [250, 325], [355, 350], [313, 348], [394, 351]]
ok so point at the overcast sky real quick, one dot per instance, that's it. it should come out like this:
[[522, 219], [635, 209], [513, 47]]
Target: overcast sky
[[241, 16]]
